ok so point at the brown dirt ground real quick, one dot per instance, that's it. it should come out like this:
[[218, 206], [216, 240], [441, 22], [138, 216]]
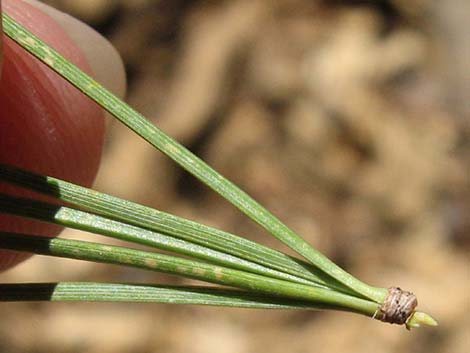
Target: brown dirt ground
[[348, 119]]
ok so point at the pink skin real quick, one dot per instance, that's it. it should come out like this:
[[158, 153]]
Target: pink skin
[[46, 125]]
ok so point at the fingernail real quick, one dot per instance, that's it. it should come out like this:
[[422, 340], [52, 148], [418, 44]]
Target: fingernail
[[102, 57]]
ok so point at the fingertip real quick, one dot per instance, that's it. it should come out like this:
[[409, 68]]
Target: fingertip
[[46, 125], [44, 117]]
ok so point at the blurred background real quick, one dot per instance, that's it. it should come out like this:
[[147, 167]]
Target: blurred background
[[350, 120]]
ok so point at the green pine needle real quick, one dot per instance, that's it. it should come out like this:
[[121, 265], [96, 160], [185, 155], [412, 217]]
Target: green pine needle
[[144, 293], [89, 251]]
